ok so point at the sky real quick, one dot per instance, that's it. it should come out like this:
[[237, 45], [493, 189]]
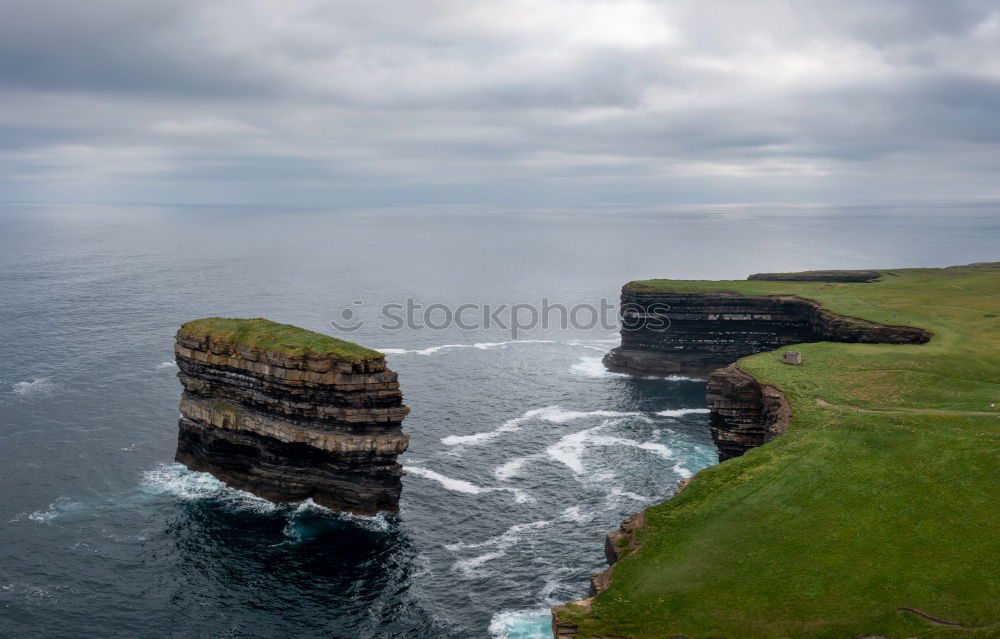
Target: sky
[[516, 102]]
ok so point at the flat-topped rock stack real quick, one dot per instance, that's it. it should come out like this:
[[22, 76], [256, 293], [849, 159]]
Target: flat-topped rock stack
[[289, 414]]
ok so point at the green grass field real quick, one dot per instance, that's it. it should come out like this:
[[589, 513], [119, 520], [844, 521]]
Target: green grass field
[[280, 338], [883, 494]]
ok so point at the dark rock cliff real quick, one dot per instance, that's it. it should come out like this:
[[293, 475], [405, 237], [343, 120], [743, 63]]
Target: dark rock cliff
[[695, 333], [744, 413], [288, 428]]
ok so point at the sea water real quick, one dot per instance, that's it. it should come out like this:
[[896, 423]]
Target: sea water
[[524, 452]]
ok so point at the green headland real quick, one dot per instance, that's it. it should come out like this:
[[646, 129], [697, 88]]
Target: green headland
[[279, 338], [876, 513]]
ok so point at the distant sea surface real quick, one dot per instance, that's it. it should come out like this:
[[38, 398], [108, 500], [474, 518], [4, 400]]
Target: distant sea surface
[[523, 453]]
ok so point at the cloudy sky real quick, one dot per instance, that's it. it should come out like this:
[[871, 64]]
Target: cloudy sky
[[534, 101]]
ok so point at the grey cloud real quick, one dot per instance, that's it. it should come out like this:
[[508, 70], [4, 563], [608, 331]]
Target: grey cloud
[[584, 98]]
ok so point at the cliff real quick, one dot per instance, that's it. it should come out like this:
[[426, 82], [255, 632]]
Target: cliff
[[744, 413], [791, 541], [667, 333], [288, 414]]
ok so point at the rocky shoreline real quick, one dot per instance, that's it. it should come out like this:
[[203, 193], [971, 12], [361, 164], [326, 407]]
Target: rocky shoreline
[[291, 426]]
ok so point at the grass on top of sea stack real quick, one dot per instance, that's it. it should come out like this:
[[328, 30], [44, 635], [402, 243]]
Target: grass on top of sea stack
[[880, 499], [285, 339]]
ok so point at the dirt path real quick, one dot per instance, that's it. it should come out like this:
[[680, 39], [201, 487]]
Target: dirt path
[[907, 411]]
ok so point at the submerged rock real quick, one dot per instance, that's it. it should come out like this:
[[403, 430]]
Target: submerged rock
[[288, 414]]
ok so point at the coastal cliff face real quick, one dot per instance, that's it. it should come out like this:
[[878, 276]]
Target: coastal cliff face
[[291, 425], [695, 333], [744, 413]]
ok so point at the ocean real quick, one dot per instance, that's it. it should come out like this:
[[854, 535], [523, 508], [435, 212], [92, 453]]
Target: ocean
[[524, 450]]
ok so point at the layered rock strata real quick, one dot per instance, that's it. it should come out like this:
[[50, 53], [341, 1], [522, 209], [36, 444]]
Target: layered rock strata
[[694, 333], [288, 423], [744, 413]]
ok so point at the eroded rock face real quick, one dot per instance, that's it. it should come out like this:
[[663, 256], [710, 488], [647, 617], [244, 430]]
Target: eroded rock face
[[288, 428], [695, 333], [744, 413]]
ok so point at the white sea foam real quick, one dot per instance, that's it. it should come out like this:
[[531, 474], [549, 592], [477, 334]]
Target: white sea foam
[[653, 447], [521, 624], [166, 365], [512, 468], [483, 346], [176, 480], [590, 366], [553, 414], [462, 486], [44, 516], [294, 525], [681, 470], [499, 546], [618, 492], [680, 412], [570, 448], [573, 513], [457, 485], [61, 506], [36, 387], [593, 367]]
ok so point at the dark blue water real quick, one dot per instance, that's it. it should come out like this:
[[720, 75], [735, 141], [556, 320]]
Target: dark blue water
[[523, 453]]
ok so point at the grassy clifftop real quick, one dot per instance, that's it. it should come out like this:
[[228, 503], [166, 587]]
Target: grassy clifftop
[[285, 339], [880, 500]]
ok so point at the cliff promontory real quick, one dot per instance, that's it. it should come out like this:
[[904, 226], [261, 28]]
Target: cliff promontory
[[856, 495], [289, 414], [666, 332]]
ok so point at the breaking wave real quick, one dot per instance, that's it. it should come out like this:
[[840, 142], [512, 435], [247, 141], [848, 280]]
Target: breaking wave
[[483, 346], [61, 506], [680, 412], [499, 546], [36, 387], [178, 481], [553, 414], [462, 486], [521, 624], [590, 366]]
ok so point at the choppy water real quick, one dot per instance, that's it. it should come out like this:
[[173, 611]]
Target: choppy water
[[523, 453]]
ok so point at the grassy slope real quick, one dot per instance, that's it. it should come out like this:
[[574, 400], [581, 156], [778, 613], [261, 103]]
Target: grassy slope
[[281, 338], [853, 513]]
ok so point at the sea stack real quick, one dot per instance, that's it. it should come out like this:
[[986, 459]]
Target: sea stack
[[289, 414]]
